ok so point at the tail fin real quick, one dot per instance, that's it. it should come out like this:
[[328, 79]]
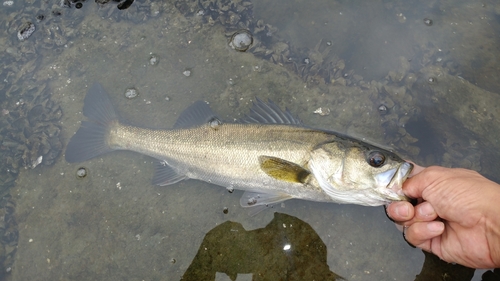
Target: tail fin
[[90, 139]]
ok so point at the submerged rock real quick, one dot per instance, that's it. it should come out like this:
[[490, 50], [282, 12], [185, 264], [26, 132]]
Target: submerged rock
[[25, 31]]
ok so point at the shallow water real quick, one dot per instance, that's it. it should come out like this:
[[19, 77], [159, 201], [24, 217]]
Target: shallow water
[[437, 82]]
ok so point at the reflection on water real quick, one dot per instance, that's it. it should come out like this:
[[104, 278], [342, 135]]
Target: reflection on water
[[343, 59], [286, 249]]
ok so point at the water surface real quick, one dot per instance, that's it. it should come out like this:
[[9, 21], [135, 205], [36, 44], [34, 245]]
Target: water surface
[[437, 82]]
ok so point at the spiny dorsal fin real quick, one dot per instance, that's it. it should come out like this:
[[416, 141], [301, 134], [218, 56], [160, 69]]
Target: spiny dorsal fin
[[269, 113], [283, 170], [197, 114]]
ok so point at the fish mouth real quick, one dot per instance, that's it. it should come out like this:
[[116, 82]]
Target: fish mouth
[[399, 177], [393, 180]]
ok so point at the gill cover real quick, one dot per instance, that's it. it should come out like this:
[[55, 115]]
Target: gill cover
[[350, 172]]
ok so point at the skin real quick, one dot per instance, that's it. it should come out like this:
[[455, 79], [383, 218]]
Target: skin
[[457, 219]]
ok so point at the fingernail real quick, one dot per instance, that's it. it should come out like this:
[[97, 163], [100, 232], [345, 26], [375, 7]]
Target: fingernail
[[403, 211], [435, 226], [426, 209]]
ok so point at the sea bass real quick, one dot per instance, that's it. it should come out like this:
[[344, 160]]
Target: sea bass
[[269, 153]]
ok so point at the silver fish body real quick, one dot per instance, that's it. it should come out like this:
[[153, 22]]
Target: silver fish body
[[270, 154]]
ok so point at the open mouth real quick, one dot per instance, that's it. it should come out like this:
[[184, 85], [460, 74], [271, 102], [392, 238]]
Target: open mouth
[[399, 178], [393, 179]]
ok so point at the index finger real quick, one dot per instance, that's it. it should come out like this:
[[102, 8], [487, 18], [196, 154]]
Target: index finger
[[422, 178]]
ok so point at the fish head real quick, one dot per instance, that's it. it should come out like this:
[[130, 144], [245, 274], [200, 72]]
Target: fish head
[[357, 173]]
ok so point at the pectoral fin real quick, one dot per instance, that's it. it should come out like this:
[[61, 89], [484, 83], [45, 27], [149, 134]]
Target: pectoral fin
[[283, 170]]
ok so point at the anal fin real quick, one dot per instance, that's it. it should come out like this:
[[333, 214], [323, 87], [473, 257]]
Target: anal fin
[[258, 201], [165, 175]]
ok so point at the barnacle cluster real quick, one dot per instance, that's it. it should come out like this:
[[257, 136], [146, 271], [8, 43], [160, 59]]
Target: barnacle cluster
[[234, 14], [29, 131], [319, 65], [29, 136]]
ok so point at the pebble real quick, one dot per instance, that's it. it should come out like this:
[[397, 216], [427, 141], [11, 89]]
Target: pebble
[[241, 40], [25, 31], [153, 59], [322, 111], [81, 172], [382, 109], [131, 93]]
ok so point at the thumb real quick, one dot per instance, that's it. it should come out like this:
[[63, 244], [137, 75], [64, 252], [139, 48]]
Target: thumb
[[421, 178], [416, 169]]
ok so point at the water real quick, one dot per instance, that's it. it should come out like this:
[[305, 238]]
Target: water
[[346, 57]]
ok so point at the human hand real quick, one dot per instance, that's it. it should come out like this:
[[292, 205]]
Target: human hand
[[457, 219]]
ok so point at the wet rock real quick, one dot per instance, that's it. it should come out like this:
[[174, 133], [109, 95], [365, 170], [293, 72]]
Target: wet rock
[[131, 93], [230, 13], [154, 59], [81, 172], [125, 4], [241, 40], [25, 31], [382, 109], [30, 132], [428, 22]]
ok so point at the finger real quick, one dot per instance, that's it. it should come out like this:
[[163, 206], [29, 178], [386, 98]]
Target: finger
[[421, 233], [406, 215], [416, 169], [415, 186], [400, 211], [425, 212]]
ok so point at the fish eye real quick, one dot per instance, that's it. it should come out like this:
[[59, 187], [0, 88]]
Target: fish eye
[[376, 159]]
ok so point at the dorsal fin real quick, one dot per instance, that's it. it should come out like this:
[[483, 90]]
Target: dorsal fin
[[269, 113], [197, 114]]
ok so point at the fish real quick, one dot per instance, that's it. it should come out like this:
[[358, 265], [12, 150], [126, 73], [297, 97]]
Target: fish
[[269, 153]]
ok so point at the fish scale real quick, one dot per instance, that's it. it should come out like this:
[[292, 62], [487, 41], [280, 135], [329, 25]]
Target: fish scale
[[216, 155]]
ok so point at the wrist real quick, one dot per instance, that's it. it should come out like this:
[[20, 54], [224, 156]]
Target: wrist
[[493, 236], [493, 225]]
